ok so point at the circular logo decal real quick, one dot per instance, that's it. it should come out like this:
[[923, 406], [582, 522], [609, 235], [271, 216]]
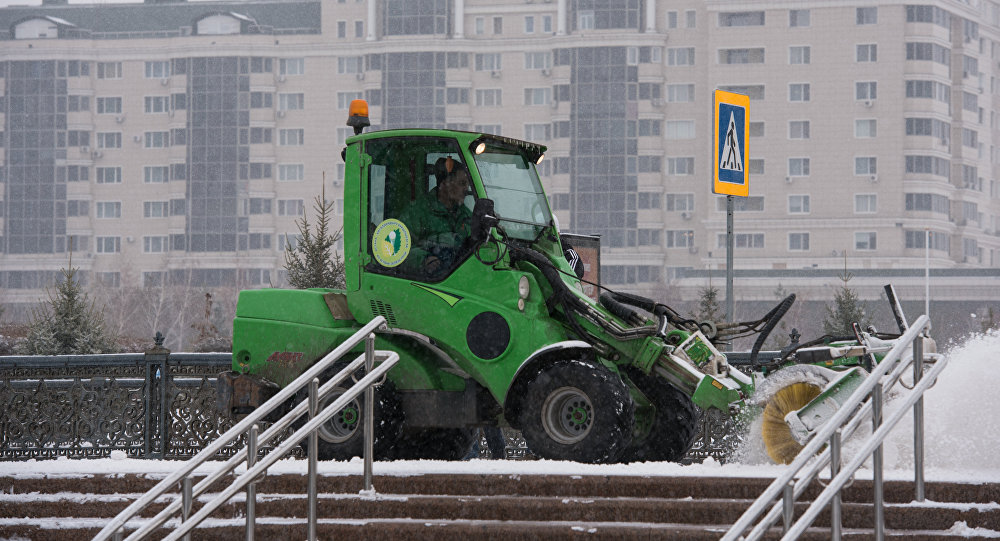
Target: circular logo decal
[[391, 243]]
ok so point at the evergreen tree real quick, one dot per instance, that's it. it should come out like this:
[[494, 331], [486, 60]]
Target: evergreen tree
[[312, 262], [847, 309], [708, 304], [68, 323]]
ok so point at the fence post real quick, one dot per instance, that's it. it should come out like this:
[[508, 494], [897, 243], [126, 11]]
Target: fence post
[[156, 364]]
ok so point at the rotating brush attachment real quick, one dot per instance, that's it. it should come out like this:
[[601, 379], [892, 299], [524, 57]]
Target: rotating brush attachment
[[778, 440]]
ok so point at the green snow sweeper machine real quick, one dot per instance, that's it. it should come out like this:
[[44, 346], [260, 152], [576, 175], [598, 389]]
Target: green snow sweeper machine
[[449, 236]]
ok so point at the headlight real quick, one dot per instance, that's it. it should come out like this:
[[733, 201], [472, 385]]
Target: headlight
[[523, 287]]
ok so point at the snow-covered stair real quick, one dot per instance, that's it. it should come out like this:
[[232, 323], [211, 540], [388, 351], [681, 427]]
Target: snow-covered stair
[[511, 506]]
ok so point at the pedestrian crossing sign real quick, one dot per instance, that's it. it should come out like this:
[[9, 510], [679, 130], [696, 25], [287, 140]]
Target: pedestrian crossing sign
[[731, 156]]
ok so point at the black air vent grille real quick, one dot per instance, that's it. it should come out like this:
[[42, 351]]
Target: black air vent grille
[[380, 308]]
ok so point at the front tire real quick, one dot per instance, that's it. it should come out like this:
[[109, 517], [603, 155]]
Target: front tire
[[675, 427], [575, 410]]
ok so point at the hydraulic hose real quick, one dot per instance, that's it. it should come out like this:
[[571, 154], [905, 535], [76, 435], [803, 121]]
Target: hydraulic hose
[[570, 301], [771, 320]]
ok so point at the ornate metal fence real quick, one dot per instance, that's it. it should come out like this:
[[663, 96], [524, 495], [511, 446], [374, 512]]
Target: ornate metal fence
[[160, 405], [152, 405]]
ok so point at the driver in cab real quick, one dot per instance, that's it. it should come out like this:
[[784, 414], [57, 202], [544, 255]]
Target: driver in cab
[[438, 221]]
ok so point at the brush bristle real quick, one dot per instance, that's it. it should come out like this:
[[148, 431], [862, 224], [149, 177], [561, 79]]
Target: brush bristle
[[778, 440]]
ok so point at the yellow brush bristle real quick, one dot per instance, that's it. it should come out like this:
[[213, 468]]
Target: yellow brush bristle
[[778, 440]]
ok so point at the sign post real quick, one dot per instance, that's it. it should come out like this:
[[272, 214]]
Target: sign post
[[731, 175]]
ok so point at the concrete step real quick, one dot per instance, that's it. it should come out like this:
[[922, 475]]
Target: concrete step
[[457, 506]]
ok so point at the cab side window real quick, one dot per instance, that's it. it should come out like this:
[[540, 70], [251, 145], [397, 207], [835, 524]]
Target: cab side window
[[419, 184]]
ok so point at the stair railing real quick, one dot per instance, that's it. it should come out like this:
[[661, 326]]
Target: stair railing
[[249, 427], [779, 498]]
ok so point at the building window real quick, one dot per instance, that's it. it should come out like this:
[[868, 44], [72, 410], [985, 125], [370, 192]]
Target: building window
[[680, 238], [290, 207], [76, 104], [928, 51], [349, 64], [291, 101], [741, 18], [867, 52], [864, 240], [798, 92], [157, 104], [489, 97], [109, 105], [680, 166], [742, 56], [798, 242], [538, 96], [261, 100], [867, 15], [676, 202], [291, 137], [157, 139], [529, 24], [865, 128], [259, 136], [757, 129], [109, 140], [671, 19], [756, 166], [291, 172], [680, 93], [865, 203], [798, 18], [798, 204], [109, 175], [155, 209], [341, 29], [537, 61], [157, 70], [108, 245], [742, 240], [537, 132], [480, 26], [865, 90], [493, 129], [156, 174], [488, 62], [799, 54], [585, 20], [931, 165], [865, 165], [798, 167], [680, 129], [650, 127], [455, 96], [798, 129], [680, 56], [154, 244], [292, 66], [109, 70], [498, 25], [547, 24], [108, 209], [359, 29]]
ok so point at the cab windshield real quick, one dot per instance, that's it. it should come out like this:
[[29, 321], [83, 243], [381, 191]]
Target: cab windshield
[[513, 185]]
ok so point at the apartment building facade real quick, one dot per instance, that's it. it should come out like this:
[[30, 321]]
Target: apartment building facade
[[178, 142]]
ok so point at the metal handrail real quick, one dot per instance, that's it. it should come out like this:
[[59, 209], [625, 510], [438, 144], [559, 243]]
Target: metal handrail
[[249, 426], [841, 425]]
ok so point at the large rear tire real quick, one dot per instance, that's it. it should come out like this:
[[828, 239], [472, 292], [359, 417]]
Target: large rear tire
[[342, 436], [576, 410], [675, 427]]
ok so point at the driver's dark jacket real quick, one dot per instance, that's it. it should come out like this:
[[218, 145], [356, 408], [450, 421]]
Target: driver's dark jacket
[[434, 229]]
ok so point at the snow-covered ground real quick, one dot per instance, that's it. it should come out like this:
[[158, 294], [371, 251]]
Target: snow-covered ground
[[962, 413]]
